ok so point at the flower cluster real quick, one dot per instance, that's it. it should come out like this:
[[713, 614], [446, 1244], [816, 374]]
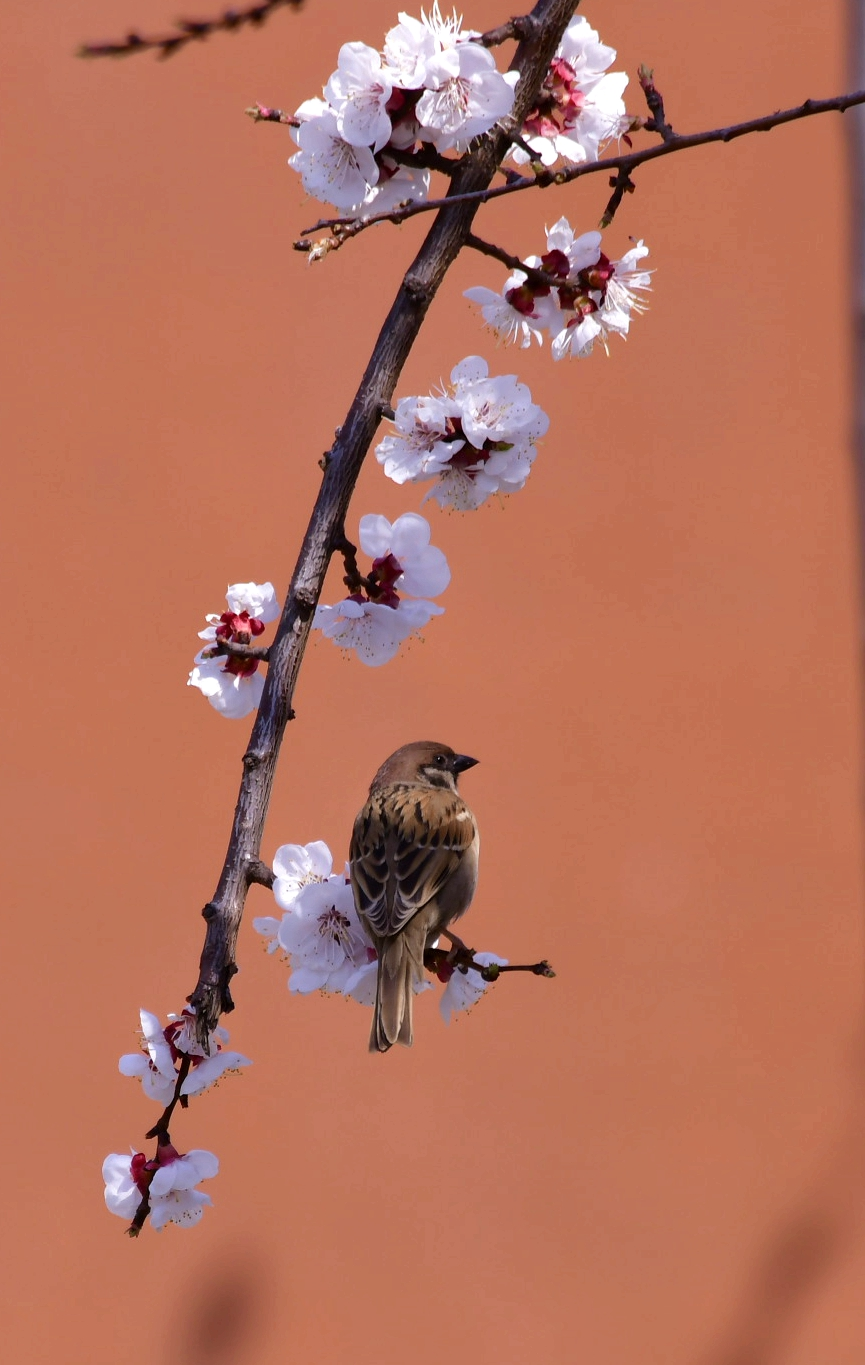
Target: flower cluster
[[580, 107], [172, 1065], [232, 684], [324, 941], [431, 83], [162, 1052], [475, 438], [319, 931], [588, 299], [376, 616], [166, 1184]]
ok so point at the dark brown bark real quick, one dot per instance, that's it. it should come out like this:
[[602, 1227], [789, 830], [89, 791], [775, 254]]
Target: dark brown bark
[[326, 527]]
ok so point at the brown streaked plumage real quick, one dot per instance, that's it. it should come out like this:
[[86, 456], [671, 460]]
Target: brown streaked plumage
[[414, 868]]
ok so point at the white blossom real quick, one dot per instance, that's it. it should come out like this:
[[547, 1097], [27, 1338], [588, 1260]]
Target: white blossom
[[168, 1182], [156, 1065], [173, 1196], [323, 937], [296, 866], [374, 631], [233, 695], [122, 1194], [614, 296], [497, 417], [258, 600], [587, 297], [465, 95], [408, 46], [581, 107], [446, 29], [423, 567], [268, 927], [330, 167], [358, 92], [396, 185], [233, 685], [464, 989], [516, 314], [423, 442], [374, 623]]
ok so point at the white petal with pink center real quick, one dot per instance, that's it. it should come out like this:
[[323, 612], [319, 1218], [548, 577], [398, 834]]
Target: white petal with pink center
[[332, 170], [358, 91], [173, 1196], [584, 52], [155, 1066], [513, 324], [418, 449], [465, 988], [581, 251], [323, 937], [465, 96], [373, 630], [497, 409], [425, 571], [232, 695]]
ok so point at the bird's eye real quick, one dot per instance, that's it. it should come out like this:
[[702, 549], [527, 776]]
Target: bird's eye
[[441, 760]]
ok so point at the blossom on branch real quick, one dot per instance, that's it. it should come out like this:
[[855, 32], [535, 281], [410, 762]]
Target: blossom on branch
[[587, 297], [232, 684], [580, 106], [167, 1183], [518, 314], [319, 932], [465, 96], [432, 84], [465, 988], [377, 616], [330, 167], [157, 1065], [359, 91], [475, 438]]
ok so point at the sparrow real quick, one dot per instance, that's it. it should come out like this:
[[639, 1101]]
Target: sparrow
[[414, 868]]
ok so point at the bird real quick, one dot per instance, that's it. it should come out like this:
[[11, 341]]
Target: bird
[[413, 863]]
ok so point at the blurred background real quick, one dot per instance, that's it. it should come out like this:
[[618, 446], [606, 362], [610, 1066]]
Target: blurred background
[[656, 1158]]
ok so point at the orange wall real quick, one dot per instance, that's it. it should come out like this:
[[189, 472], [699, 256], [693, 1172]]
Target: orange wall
[[654, 1158]]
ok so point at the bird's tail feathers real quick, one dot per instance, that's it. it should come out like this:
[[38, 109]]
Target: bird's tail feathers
[[400, 965]]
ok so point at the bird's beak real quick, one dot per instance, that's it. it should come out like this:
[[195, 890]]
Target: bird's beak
[[460, 762]]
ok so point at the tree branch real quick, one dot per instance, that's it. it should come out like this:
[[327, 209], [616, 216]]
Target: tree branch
[[627, 163], [186, 31], [445, 239], [539, 278]]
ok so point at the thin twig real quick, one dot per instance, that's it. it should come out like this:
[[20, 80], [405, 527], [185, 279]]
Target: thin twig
[[186, 31], [160, 1127], [622, 184], [463, 959], [628, 162], [262, 113], [444, 241], [655, 100], [261, 652], [539, 278], [523, 28]]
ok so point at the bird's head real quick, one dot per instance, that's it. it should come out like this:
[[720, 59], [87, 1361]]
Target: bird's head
[[424, 764]]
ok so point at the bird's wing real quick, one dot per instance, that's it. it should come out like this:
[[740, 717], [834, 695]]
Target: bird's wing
[[407, 843]]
